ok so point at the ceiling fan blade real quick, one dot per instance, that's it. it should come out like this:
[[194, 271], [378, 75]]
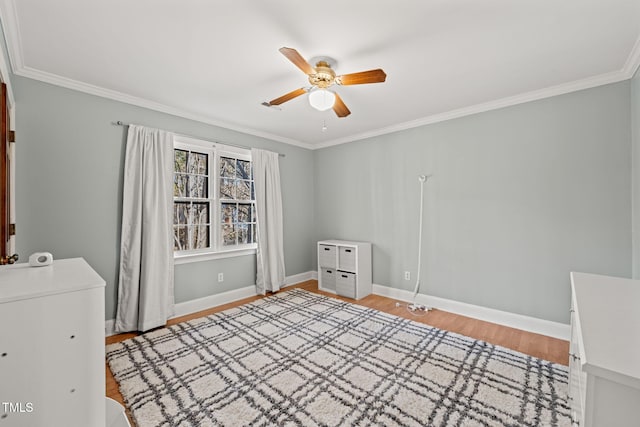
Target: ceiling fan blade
[[293, 56], [340, 108], [363, 77], [288, 97]]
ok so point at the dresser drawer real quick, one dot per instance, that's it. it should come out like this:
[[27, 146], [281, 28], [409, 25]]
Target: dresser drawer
[[327, 256]]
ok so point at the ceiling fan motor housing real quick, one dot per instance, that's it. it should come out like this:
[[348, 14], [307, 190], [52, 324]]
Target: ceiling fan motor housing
[[324, 75]]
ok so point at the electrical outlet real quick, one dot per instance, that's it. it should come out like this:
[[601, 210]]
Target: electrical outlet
[[220, 277], [407, 275]]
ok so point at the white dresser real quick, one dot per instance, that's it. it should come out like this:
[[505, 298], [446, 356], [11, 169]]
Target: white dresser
[[604, 354], [52, 369], [344, 268]]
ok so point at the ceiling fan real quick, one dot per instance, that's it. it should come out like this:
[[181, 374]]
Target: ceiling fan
[[321, 78]]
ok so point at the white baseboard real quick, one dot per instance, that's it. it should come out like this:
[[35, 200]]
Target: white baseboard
[[299, 278], [513, 320], [193, 306]]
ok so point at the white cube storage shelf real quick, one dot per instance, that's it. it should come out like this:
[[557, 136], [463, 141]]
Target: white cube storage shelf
[[344, 268]]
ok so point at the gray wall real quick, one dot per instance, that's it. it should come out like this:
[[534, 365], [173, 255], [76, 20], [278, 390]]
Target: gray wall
[[69, 187], [635, 138], [519, 198]]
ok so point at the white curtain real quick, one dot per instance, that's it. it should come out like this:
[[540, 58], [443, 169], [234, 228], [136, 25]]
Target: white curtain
[[145, 290], [270, 255]]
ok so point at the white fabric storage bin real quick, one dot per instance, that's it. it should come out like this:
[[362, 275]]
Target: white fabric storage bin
[[347, 259], [346, 284], [329, 278], [327, 256]]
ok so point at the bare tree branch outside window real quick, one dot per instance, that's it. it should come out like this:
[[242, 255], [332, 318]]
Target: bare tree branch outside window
[[197, 208]]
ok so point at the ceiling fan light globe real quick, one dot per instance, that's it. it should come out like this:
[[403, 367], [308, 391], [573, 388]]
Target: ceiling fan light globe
[[322, 99]]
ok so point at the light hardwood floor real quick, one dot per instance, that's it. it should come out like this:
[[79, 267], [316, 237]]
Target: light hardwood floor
[[543, 347]]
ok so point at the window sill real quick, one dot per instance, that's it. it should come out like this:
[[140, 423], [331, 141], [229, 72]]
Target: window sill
[[208, 256]]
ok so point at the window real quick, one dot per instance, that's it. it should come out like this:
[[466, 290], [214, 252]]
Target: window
[[214, 202], [237, 202]]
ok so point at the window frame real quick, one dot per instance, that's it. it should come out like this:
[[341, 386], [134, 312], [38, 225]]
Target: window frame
[[216, 249]]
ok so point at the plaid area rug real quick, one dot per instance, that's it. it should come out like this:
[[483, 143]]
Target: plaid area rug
[[302, 359]]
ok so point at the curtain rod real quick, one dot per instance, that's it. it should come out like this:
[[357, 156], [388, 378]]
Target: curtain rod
[[121, 123]]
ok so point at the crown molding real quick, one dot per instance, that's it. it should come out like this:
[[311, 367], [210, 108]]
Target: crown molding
[[57, 80], [562, 89], [633, 61], [11, 27]]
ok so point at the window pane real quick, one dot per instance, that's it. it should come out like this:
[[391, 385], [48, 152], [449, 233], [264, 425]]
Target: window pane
[[227, 189], [180, 185], [244, 213], [203, 164], [254, 233], [197, 163], [243, 190], [227, 167], [228, 235], [243, 169], [253, 213], [201, 213], [198, 186], [180, 213], [180, 241], [200, 235], [180, 160], [229, 213], [191, 163], [243, 233]]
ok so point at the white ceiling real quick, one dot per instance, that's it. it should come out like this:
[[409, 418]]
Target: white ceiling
[[217, 61]]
